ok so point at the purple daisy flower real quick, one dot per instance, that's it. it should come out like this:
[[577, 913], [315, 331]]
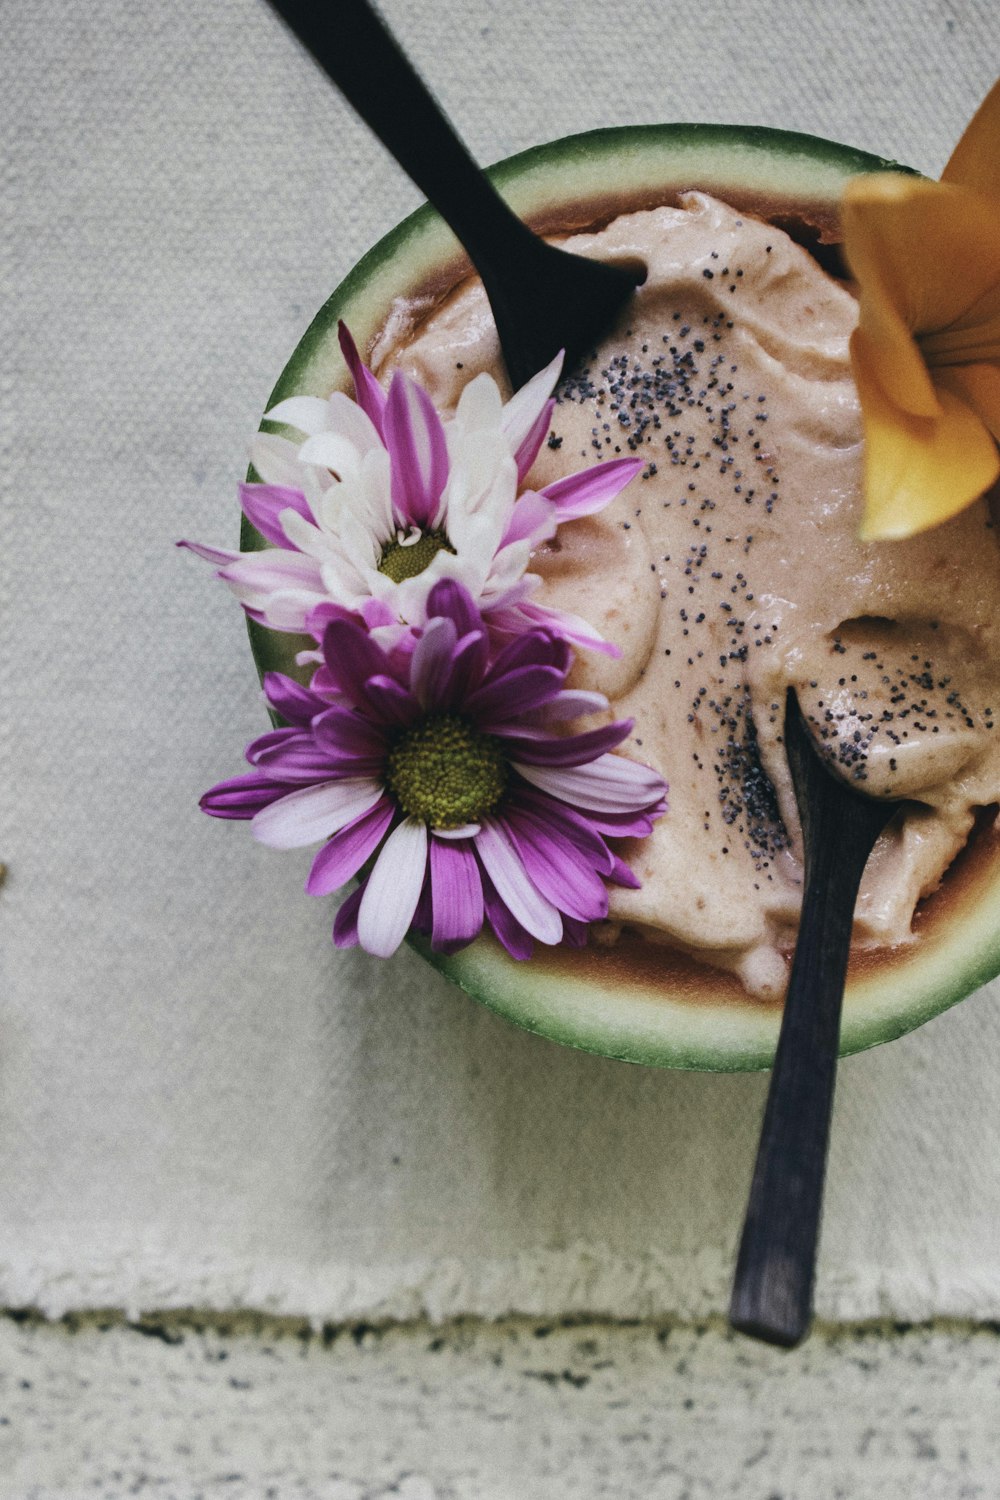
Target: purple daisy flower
[[385, 498], [450, 768]]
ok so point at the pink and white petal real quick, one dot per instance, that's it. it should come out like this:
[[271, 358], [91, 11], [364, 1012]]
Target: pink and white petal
[[393, 889], [534, 519], [574, 627], [273, 568], [367, 391], [456, 892], [501, 861], [307, 413], [609, 784], [431, 665], [591, 489], [218, 555], [573, 703], [315, 812], [529, 449], [344, 854], [263, 505], [524, 407], [416, 442]]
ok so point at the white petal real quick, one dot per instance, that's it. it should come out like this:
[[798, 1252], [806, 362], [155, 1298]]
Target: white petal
[[277, 460], [523, 408], [314, 812], [467, 831], [307, 413], [328, 450], [480, 405], [609, 784], [523, 900], [393, 889]]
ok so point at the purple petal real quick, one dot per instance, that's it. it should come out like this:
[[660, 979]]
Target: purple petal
[[524, 689], [592, 489], [262, 505], [557, 869], [452, 599], [347, 851], [431, 664], [508, 930], [314, 812], [622, 875], [417, 448], [457, 892], [347, 734], [532, 648], [345, 926], [540, 749], [395, 705], [290, 699], [515, 888], [578, 828], [393, 889], [367, 392], [534, 438], [352, 657], [242, 796]]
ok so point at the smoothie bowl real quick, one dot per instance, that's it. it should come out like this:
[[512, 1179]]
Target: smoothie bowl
[[727, 569]]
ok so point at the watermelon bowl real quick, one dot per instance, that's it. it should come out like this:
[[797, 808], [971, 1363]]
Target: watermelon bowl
[[637, 1001]]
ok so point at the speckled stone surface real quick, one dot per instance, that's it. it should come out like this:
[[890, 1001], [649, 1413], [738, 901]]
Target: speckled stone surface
[[510, 1411]]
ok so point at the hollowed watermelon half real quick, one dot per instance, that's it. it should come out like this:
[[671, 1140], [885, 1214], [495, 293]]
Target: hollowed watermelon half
[[640, 1002]]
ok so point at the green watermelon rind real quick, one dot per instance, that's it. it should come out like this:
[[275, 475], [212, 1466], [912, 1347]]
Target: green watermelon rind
[[617, 168]]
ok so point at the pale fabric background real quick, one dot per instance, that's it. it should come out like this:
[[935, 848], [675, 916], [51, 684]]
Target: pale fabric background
[[202, 1102]]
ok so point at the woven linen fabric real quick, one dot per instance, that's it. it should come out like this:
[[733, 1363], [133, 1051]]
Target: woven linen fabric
[[203, 1103]]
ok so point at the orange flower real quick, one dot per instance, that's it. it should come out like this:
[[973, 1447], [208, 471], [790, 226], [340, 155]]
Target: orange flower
[[926, 353]]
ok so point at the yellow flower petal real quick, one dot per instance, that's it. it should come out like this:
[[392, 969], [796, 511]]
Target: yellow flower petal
[[979, 387], [932, 248], [920, 471], [975, 161], [881, 267]]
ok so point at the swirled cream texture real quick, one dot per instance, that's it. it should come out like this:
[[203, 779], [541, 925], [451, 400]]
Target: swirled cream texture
[[731, 570]]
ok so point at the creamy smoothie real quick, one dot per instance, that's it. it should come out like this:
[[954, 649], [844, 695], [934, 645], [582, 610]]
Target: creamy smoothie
[[731, 569]]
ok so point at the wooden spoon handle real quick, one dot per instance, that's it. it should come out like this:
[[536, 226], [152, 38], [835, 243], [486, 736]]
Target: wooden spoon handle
[[354, 48], [775, 1268]]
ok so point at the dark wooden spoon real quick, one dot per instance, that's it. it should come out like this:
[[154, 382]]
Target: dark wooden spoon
[[543, 299], [775, 1267]]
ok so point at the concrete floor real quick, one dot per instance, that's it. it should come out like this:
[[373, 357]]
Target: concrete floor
[[186, 1409]]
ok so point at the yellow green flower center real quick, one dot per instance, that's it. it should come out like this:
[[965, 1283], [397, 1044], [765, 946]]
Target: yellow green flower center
[[405, 560], [446, 772]]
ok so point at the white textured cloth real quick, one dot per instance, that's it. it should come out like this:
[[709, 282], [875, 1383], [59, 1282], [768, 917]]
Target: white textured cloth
[[202, 1102]]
